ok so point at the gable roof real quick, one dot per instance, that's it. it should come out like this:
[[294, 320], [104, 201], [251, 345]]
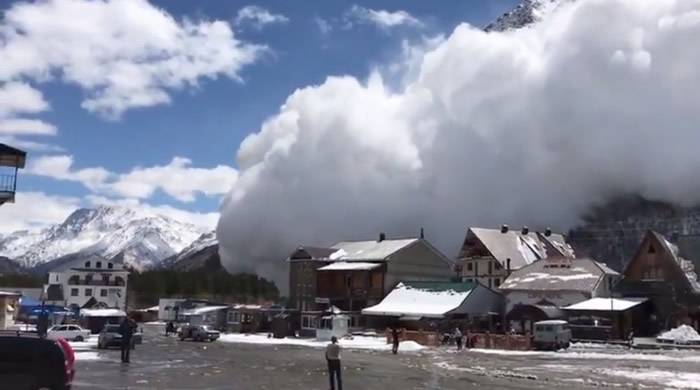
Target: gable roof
[[558, 275], [12, 157], [311, 253], [369, 250], [684, 265], [422, 299]]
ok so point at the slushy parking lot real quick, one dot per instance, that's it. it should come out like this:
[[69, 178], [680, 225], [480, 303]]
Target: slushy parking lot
[[255, 362]]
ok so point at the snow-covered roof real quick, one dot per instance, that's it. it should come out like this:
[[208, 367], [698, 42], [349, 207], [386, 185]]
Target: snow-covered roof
[[369, 250], [202, 310], [520, 249], [556, 274], [350, 266], [686, 266], [152, 308], [422, 299], [102, 313], [9, 294], [606, 304]]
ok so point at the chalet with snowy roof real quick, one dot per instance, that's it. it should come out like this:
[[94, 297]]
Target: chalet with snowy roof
[[352, 275], [538, 291], [436, 303], [490, 255], [659, 272]]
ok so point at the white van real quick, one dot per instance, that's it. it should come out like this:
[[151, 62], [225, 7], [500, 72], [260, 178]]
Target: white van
[[552, 334]]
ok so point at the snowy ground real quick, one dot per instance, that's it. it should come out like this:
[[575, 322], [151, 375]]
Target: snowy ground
[[256, 362], [356, 342]]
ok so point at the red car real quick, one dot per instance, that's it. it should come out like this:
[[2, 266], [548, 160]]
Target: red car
[[28, 362]]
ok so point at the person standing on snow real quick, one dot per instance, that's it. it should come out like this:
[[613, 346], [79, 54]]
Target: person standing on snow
[[458, 338], [126, 330], [333, 359], [395, 340]]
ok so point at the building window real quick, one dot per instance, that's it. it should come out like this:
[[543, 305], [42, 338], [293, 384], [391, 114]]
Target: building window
[[88, 279], [470, 266], [87, 264], [490, 283], [110, 265], [103, 292], [88, 292], [73, 292], [651, 249], [98, 264], [497, 282], [56, 278], [490, 269], [105, 280]]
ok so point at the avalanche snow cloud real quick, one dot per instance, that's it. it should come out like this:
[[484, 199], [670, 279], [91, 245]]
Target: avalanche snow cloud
[[532, 125]]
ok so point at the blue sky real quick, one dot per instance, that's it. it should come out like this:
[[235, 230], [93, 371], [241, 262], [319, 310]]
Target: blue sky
[[206, 122]]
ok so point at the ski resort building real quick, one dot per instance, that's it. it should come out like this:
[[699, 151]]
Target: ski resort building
[[90, 282], [352, 275], [488, 256]]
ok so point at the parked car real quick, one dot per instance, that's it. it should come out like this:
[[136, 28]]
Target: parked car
[[28, 362], [552, 334], [110, 337], [198, 333], [68, 332]]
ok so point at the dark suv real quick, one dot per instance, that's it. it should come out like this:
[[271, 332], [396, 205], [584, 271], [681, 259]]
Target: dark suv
[[28, 362]]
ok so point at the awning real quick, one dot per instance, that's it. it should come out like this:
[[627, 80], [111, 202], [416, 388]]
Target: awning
[[350, 266], [606, 304]]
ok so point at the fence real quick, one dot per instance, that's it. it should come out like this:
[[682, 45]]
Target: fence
[[426, 338], [499, 341]]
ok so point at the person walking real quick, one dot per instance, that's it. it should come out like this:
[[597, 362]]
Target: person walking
[[126, 330], [333, 359], [458, 338], [394, 340]]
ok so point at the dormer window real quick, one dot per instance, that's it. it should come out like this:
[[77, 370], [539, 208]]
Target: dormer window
[[110, 265], [651, 249], [98, 264], [87, 264]]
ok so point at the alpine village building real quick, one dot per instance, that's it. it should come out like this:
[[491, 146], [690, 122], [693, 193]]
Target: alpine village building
[[352, 275]]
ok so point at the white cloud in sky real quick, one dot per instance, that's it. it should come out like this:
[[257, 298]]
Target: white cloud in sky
[[381, 18], [23, 126], [34, 146], [324, 26], [258, 17], [33, 210], [18, 99], [123, 53], [179, 179], [532, 126]]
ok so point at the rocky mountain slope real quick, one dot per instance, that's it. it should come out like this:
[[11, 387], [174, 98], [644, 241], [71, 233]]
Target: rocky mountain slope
[[202, 253], [527, 12], [141, 239], [10, 267]]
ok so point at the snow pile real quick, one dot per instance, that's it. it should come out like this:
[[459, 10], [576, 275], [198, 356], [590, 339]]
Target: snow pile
[[589, 355], [356, 342], [683, 334], [667, 380]]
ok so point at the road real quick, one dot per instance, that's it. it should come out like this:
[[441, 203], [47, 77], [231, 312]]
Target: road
[[167, 363]]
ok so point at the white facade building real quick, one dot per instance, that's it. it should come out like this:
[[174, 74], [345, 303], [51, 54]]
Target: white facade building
[[95, 277]]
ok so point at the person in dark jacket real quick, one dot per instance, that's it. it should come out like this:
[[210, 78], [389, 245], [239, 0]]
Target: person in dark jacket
[[395, 340], [126, 330], [333, 359]]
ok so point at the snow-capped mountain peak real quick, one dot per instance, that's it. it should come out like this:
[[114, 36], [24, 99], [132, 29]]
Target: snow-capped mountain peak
[[142, 238], [204, 241], [525, 13]]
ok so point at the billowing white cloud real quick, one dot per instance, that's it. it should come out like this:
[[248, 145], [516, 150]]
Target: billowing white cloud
[[178, 178], [258, 17], [123, 53], [23, 126], [16, 100], [33, 210], [532, 126], [61, 168], [324, 26], [381, 18]]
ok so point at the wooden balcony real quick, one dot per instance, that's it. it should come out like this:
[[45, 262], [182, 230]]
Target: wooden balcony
[[11, 160]]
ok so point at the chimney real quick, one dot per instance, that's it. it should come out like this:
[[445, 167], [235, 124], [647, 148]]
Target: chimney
[[525, 230], [508, 266], [547, 232], [504, 229], [382, 237], [422, 233]]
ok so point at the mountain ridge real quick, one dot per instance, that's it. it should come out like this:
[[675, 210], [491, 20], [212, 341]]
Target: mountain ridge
[[142, 239]]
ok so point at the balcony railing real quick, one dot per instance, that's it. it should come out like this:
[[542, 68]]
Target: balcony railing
[[95, 282], [8, 183]]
